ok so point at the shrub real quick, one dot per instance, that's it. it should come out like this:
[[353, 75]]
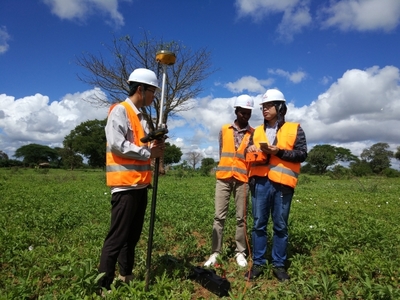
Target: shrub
[[390, 173], [360, 168], [339, 172], [304, 179]]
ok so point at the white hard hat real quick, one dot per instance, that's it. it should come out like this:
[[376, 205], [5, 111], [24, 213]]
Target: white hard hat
[[145, 76], [244, 101], [272, 95]]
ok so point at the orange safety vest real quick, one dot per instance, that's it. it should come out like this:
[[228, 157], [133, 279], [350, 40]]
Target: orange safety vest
[[124, 171], [232, 162], [278, 170]]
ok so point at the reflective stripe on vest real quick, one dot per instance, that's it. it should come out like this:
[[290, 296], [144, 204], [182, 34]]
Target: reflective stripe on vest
[[232, 162], [231, 169], [283, 170], [123, 171], [122, 168], [142, 166], [228, 154]]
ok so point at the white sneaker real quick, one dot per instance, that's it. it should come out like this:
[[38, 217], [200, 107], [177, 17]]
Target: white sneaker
[[126, 279], [104, 294], [241, 259], [212, 260]]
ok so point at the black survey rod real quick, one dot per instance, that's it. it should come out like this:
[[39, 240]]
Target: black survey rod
[[165, 58], [152, 218]]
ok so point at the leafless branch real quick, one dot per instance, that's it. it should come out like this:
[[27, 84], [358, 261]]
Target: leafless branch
[[184, 78]]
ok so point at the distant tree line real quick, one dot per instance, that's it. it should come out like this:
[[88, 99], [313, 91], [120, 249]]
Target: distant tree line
[[337, 161], [323, 159], [86, 142]]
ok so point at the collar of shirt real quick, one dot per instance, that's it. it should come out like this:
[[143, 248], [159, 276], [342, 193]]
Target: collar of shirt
[[137, 112], [266, 125], [270, 131], [234, 126]]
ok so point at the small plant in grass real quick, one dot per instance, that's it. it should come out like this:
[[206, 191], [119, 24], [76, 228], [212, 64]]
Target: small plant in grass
[[327, 286], [83, 277], [42, 170]]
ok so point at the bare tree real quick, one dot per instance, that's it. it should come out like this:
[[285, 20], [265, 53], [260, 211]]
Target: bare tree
[[183, 82], [194, 158]]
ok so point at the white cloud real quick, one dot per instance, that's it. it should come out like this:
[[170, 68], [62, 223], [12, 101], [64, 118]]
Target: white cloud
[[295, 77], [361, 106], [260, 8], [179, 142], [325, 80], [363, 94], [296, 14], [249, 83], [4, 38], [81, 9], [202, 125], [359, 109], [294, 20], [362, 15], [358, 15], [33, 119]]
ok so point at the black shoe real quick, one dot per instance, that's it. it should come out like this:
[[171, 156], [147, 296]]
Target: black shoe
[[281, 274], [254, 272]]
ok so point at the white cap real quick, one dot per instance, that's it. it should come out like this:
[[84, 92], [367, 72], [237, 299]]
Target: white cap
[[272, 95], [244, 101], [144, 76]]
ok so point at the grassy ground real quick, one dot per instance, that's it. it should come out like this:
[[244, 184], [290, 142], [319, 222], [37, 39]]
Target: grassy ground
[[344, 239]]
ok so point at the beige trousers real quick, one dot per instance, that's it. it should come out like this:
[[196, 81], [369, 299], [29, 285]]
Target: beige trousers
[[223, 190]]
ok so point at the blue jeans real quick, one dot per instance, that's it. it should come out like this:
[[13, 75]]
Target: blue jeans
[[269, 198]]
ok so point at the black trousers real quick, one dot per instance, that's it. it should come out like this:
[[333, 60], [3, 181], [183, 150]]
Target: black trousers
[[127, 216]]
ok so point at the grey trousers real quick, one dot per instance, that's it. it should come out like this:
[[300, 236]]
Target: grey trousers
[[223, 190]]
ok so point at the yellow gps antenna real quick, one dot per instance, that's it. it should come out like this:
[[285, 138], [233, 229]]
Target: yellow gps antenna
[[165, 58]]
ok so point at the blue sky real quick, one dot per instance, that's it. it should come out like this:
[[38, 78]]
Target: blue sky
[[337, 63]]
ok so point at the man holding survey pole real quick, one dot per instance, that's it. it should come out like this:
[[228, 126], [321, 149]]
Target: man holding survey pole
[[129, 175]]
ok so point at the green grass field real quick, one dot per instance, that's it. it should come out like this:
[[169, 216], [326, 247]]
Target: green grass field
[[344, 239]]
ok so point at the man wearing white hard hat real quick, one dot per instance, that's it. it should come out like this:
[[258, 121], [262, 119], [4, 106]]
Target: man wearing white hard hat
[[232, 178], [128, 172], [278, 148]]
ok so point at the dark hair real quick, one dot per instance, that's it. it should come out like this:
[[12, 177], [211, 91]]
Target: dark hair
[[133, 85], [281, 109]]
